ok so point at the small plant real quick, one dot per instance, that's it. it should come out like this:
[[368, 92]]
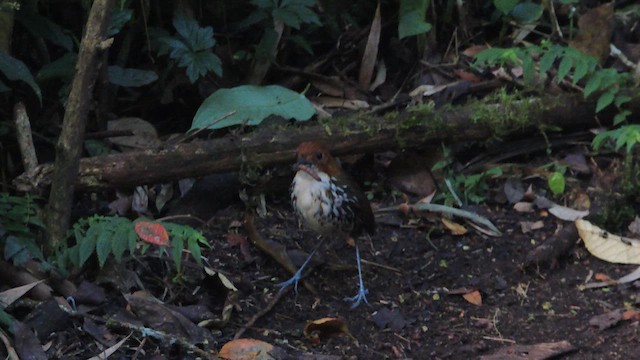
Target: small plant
[[556, 181], [292, 13], [625, 136], [474, 188], [113, 235], [572, 63], [191, 47], [20, 226]]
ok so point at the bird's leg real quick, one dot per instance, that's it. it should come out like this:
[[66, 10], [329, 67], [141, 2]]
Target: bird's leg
[[362, 292], [298, 275]]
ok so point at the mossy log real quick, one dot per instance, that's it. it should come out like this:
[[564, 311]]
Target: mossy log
[[489, 119]]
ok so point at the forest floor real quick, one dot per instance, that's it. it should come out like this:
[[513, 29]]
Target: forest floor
[[416, 278]]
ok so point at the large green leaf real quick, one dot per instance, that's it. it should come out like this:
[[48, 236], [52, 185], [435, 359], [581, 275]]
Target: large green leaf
[[527, 12], [103, 245], [505, 6], [61, 68], [16, 70], [412, 18], [250, 105], [42, 27]]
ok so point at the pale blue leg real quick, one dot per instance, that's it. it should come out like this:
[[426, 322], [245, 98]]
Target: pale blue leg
[[362, 292], [297, 276]]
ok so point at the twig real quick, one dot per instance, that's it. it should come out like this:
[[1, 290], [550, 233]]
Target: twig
[[380, 265], [449, 210], [278, 254], [261, 313]]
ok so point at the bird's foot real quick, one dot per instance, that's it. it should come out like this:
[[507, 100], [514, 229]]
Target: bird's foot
[[292, 281], [297, 276], [358, 298]]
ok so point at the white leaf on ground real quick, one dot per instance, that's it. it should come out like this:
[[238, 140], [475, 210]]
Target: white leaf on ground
[[607, 246]]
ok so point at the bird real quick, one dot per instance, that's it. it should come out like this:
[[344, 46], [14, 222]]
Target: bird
[[328, 201]]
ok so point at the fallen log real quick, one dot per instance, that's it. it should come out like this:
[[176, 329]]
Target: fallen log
[[270, 145]]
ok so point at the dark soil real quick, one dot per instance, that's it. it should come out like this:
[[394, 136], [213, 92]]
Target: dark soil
[[416, 273], [425, 322]]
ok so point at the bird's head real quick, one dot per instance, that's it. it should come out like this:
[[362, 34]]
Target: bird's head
[[313, 158]]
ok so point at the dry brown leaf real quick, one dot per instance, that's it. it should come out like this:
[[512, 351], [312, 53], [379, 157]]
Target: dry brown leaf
[[602, 277], [333, 102], [246, 349], [318, 330], [631, 315], [474, 50], [527, 226], [455, 228], [523, 207], [144, 133], [466, 75], [607, 246], [371, 51], [473, 297], [594, 32], [567, 214]]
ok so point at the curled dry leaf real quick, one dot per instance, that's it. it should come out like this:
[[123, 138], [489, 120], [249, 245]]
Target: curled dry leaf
[[153, 233], [528, 226], [318, 330], [607, 246], [631, 315], [455, 228], [567, 214], [523, 207], [246, 349], [602, 277]]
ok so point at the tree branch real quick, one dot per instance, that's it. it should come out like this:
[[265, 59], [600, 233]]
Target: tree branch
[[270, 146], [69, 145]]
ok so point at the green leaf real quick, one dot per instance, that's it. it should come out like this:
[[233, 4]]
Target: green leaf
[[597, 141], [15, 70], [177, 245], [582, 67], [412, 18], [119, 242], [130, 77], [42, 27], [563, 69], [198, 38], [621, 100], [528, 69], [62, 68], [546, 61], [305, 13], [605, 100], [505, 6], [621, 117], [252, 19], [119, 19], [194, 248], [200, 63], [527, 12], [132, 241], [250, 105], [103, 246], [593, 84], [556, 182], [87, 247], [287, 16]]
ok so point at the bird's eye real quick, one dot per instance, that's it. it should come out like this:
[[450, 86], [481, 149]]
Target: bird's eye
[[319, 155]]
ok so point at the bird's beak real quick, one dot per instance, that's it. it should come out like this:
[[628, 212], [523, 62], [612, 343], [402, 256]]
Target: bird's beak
[[305, 165]]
